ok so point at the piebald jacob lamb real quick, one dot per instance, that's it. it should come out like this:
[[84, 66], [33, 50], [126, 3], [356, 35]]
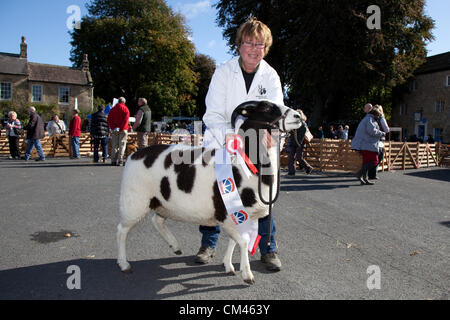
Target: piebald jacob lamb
[[154, 179]]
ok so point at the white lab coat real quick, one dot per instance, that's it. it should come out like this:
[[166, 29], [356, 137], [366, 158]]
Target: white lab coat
[[227, 91]]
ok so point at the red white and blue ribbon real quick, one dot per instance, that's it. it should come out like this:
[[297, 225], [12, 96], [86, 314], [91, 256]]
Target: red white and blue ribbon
[[235, 146], [247, 227]]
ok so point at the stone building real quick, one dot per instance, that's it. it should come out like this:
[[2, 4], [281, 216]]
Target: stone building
[[424, 110], [28, 83]]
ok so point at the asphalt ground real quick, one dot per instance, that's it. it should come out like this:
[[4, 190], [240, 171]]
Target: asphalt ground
[[331, 232]]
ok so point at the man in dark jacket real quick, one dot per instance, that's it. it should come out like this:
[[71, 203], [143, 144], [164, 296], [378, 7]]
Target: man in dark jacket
[[296, 149], [35, 132], [143, 124], [99, 132]]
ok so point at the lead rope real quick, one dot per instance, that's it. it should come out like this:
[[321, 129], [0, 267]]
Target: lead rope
[[271, 201]]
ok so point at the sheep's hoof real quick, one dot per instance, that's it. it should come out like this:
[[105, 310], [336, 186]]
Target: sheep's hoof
[[125, 267], [231, 273], [178, 252], [249, 281], [128, 271]]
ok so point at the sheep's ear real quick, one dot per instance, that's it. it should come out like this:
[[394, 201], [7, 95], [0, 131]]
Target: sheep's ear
[[244, 109]]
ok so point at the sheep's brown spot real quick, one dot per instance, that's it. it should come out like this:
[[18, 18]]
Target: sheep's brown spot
[[155, 203], [165, 188], [237, 177], [168, 161], [220, 212], [248, 197], [150, 154], [267, 179], [186, 177], [207, 155]]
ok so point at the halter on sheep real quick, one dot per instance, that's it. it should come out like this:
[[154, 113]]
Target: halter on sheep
[[153, 180]]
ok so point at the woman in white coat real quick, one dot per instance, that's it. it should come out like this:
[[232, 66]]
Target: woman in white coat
[[243, 78]]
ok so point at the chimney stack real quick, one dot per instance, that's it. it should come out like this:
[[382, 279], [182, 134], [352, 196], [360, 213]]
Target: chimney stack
[[23, 48], [85, 65]]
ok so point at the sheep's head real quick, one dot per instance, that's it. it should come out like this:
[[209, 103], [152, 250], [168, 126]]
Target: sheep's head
[[266, 115]]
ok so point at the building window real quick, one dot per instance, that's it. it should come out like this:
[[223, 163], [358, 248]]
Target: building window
[[63, 95], [412, 85], [403, 109], [36, 93], [439, 106], [5, 91], [448, 81], [437, 134]]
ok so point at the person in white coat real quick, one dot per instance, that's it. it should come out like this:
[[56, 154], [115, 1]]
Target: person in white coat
[[243, 78]]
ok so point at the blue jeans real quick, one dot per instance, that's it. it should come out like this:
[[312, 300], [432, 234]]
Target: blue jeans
[[75, 141], [210, 236], [31, 143], [104, 143]]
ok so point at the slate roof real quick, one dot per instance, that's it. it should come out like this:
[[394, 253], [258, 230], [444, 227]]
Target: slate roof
[[439, 62], [12, 64], [50, 73]]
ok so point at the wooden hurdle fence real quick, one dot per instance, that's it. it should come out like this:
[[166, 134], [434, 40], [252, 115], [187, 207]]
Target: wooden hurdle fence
[[325, 155], [329, 155], [57, 146]]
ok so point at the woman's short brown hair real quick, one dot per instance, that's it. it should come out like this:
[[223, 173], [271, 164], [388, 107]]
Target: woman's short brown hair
[[379, 109], [253, 28]]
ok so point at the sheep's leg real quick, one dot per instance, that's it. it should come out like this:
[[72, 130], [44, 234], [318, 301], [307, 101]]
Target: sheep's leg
[[160, 225], [131, 212], [247, 274], [227, 259], [122, 231]]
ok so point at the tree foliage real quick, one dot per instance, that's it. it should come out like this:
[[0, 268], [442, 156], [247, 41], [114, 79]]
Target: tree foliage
[[204, 67], [326, 55], [138, 48]]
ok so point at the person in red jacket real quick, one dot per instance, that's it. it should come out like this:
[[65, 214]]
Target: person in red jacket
[[118, 121], [74, 133]]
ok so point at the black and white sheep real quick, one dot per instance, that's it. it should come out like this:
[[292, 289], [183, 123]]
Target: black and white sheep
[[155, 180]]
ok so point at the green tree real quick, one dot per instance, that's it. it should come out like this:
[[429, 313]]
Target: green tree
[[326, 55], [204, 67], [138, 48]]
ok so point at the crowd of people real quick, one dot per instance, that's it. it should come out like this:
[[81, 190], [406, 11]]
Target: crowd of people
[[114, 126]]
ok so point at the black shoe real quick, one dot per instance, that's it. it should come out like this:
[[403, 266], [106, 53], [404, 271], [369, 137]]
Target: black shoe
[[204, 255], [290, 175], [365, 173], [39, 159], [308, 170], [23, 158], [114, 163], [271, 261]]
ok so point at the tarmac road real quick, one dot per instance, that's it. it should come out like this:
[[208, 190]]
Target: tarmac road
[[61, 213]]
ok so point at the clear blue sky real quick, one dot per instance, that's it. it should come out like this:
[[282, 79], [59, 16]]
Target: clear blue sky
[[43, 23]]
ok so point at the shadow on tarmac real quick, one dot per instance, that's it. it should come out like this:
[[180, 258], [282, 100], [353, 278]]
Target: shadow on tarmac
[[102, 279], [437, 174]]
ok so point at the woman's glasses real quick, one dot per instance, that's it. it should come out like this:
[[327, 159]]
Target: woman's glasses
[[249, 44]]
